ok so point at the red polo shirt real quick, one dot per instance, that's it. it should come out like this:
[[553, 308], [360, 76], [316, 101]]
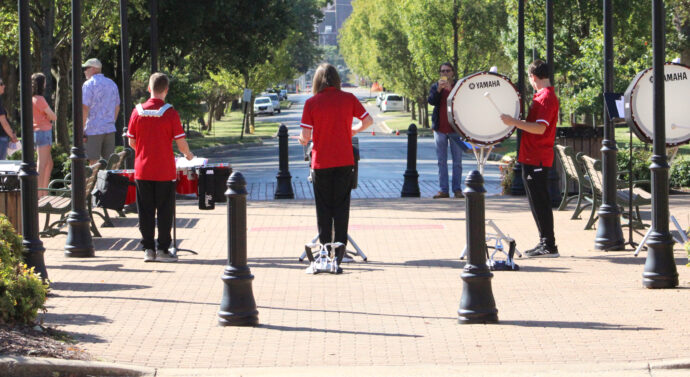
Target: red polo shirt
[[329, 114], [154, 158], [537, 150]]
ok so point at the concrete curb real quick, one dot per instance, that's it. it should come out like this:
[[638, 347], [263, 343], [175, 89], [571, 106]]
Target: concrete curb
[[19, 366], [670, 364]]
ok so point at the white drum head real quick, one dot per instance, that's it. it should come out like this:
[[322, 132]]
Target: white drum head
[[476, 103], [639, 104]]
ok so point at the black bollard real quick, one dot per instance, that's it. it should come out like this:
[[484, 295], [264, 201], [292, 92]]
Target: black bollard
[[284, 186], [410, 187], [237, 307], [477, 304]]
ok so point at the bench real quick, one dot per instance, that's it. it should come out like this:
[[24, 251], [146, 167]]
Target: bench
[[59, 202], [573, 172], [640, 197]]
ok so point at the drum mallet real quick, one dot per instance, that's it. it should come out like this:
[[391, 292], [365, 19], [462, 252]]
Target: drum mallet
[[674, 126], [487, 95]]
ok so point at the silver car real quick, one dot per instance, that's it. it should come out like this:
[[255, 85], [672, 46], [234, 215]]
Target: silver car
[[392, 102], [263, 105], [274, 99]]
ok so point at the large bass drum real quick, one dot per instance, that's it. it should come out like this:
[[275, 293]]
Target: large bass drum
[[476, 103], [639, 104]]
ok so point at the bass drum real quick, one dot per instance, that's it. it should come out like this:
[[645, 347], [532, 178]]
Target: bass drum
[[639, 105], [476, 103]]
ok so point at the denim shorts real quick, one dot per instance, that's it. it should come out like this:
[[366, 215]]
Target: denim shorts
[[42, 138]]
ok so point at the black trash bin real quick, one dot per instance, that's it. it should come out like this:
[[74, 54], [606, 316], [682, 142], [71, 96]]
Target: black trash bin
[[212, 184], [10, 195]]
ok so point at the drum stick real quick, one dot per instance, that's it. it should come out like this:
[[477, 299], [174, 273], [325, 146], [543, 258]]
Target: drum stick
[[674, 126], [487, 95]]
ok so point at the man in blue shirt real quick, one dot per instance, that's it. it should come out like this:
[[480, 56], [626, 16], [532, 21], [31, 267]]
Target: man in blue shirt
[[101, 105]]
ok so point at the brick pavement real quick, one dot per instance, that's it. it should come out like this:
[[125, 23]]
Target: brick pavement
[[399, 309]]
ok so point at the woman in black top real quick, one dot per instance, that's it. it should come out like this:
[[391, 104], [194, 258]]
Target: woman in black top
[[6, 133]]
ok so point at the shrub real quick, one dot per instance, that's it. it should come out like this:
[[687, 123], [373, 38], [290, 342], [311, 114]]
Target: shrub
[[680, 173], [640, 167], [22, 292]]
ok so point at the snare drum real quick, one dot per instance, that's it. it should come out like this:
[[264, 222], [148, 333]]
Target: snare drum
[[476, 103], [186, 181], [639, 104]]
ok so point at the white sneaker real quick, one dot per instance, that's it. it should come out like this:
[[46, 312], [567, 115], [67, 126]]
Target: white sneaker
[[165, 257], [149, 255]]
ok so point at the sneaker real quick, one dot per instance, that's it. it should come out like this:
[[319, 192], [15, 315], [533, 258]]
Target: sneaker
[[441, 194], [149, 255], [338, 271], [543, 251], [459, 194], [537, 246], [165, 256]]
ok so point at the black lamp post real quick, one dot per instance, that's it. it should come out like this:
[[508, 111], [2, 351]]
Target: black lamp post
[[33, 247], [609, 232], [126, 87], [153, 9], [79, 241], [660, 267], [518, 187]]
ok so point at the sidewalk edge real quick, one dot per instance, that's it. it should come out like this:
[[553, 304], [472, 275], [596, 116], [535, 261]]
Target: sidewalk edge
[[20, 366]]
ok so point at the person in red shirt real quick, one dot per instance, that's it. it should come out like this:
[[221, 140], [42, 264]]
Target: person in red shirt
[[536, 155], [152, 128], [327, 119]]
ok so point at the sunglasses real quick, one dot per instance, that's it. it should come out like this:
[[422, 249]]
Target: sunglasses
[[445, 70]]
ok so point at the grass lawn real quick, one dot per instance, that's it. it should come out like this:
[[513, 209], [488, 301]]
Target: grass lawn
[[227, 131], [402, 121]]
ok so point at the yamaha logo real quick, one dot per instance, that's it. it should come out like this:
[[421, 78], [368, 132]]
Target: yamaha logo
[[485, 84], [472, 86], [678, 76]]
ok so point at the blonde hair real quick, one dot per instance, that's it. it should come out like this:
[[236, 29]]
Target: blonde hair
[[158, 82], [326, 75]]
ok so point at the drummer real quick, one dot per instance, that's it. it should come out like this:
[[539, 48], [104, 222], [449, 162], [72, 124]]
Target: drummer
[[152, 128], [536, 155]]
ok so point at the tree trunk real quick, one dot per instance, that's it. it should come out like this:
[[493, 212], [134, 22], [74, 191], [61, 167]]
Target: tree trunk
[[454, 22], [220, 110], [47, 46], [211, 110], [62, 97], [412, 110], [251, 123], [10, 75], [250, 118], [419, 113]]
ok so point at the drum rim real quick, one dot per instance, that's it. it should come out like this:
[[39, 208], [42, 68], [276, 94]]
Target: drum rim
[[639, 131], [452, 108]]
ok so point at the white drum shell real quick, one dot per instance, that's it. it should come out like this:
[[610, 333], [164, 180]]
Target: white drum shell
[[639, 104], [473, 115]]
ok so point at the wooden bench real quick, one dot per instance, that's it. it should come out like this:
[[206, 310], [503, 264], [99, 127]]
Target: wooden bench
[[640, 197], [59, 202], [573, 172]]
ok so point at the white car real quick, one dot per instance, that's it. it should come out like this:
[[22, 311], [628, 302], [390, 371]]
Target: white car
[[274, 99], [392, 102], [263, 105]]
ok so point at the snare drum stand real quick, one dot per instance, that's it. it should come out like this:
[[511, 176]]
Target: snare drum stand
[[173, 250], [481, 153], [349, 255]]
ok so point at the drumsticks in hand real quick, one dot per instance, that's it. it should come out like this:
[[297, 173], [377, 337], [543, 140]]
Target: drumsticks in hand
[[487, 95]]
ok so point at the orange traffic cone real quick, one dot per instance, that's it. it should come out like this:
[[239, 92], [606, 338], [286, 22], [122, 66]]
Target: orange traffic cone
[[397, 132], [373, 133]]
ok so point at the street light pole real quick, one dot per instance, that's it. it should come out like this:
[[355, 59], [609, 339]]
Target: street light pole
[[79, 242], [518, 187], [126, 87], [609, 232], [660, 267], [33, 249]]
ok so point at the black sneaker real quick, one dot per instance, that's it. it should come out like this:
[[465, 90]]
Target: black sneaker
[[543, 251], [537, 246]]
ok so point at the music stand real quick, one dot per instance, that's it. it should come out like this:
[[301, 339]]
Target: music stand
[[173, 250]]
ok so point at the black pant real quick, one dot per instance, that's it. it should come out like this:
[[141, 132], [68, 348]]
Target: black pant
[[536, 180], [332, 187], [152, 197]]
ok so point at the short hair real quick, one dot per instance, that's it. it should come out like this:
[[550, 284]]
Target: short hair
[[326, 75], [158, 82], [447, 64], [540, 69], [38, 84]]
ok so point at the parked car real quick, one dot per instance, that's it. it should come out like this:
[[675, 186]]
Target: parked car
[[263, 105], [274, 99], [379, 99], [283, 94], [392, 102]]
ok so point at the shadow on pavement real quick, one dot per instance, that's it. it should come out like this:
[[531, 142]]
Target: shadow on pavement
[[74, 319], [94, 287], [101, 267], [125, 244], [577, 325], [353, 312], [311, 329]]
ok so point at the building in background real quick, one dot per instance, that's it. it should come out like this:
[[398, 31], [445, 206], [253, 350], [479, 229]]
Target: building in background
[[335, 15]]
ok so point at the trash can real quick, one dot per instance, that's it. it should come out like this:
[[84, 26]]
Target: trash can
[[212, 184], [10, 194]]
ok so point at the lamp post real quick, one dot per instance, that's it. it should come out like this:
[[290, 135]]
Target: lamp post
[[79, 242], [609, 232], [153, 9], [518, 187], [126, 87], [33, 249], [660, 267]]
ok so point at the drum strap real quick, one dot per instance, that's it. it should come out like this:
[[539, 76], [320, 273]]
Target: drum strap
[[153, 113]]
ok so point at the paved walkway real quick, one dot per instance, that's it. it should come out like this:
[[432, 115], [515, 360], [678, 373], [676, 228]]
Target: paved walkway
[[395, 313]]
